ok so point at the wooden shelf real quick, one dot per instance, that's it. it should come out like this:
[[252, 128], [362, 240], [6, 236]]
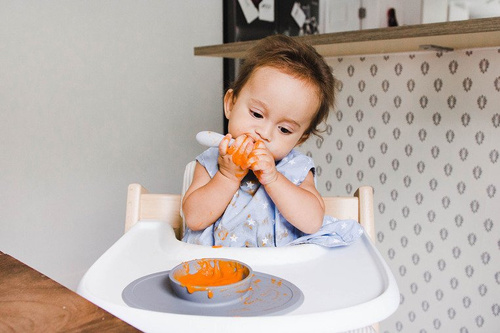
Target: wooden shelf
[[456, 35]]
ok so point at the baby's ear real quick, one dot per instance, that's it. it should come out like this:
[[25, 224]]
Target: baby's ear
[[228, 102]]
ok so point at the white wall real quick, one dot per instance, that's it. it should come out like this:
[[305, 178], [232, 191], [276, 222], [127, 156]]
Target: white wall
[[95, 95], [434, 11], [408, 12], [342, 15]]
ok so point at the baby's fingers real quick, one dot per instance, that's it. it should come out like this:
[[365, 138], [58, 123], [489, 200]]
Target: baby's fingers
[[251, 163], [260, 145], [236, 144], [240, 156], [257, 164], [224, 144]]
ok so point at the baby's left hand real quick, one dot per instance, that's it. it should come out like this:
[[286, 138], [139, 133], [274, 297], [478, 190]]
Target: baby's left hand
[[262, 163]]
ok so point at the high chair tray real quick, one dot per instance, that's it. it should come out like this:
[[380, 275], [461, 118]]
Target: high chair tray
[[344, 288], [269, 295]]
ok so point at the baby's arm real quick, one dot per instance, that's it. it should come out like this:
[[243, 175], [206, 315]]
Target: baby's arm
[[207, 198], [301, 205]]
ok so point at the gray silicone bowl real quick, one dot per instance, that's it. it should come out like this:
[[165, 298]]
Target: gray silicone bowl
[[208, 294]]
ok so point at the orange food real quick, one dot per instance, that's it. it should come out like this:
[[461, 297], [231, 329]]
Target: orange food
[[212, 273], [239, 158]]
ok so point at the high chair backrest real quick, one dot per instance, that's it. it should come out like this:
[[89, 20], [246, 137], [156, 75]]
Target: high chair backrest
[[142, 205]]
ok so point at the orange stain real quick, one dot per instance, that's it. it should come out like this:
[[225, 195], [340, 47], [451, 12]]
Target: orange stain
[[244, 290], [230, 150], [240, 159], [222, 234]]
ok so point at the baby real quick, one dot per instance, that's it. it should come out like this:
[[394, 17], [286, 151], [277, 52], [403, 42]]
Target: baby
[[260, 191]]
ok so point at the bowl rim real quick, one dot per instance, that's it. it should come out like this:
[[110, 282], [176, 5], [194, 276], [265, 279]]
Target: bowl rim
[[249, 276]]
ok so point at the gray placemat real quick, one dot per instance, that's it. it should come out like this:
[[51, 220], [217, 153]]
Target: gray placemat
[[270, 295]]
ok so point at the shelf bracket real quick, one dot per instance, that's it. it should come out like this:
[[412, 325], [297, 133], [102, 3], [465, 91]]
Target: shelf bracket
[[431, 47]]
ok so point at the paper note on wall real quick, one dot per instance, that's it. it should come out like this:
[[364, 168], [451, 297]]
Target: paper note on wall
[[249, 10], [266, 10], [298, 14]]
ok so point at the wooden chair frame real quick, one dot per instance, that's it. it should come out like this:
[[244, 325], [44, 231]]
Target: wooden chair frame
[[142, 205]]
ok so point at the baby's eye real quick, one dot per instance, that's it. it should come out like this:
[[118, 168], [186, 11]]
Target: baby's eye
[[284, 130], [256, 114]]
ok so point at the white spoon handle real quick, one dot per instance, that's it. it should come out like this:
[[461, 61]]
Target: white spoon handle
[[210, 139]]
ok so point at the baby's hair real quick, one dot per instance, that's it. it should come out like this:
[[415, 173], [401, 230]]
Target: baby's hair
[[297, 59]]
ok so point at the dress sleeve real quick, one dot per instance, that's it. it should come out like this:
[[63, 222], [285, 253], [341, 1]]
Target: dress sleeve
[[208, 159], [296, 166]]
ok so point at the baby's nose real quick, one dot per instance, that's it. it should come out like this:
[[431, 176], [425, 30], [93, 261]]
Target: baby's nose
[[264, 133]]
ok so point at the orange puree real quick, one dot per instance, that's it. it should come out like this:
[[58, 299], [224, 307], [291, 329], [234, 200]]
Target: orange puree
[[239, 158], [212, 273]]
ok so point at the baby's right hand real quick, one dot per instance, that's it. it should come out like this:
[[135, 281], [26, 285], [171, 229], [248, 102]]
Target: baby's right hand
[[233, 160]]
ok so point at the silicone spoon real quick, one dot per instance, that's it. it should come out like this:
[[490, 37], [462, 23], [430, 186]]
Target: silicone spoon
[[210, 139]]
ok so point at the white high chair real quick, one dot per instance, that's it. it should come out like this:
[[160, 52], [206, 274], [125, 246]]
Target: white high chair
[[151, 243]]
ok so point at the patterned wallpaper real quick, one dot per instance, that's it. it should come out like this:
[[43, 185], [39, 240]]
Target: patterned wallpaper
[[424, 130]]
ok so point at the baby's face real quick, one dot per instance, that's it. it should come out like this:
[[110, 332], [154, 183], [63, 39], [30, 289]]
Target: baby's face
[[273, 107]]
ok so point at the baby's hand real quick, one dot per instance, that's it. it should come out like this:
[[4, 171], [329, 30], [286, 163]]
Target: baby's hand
[[262, 163], [233, 160]]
